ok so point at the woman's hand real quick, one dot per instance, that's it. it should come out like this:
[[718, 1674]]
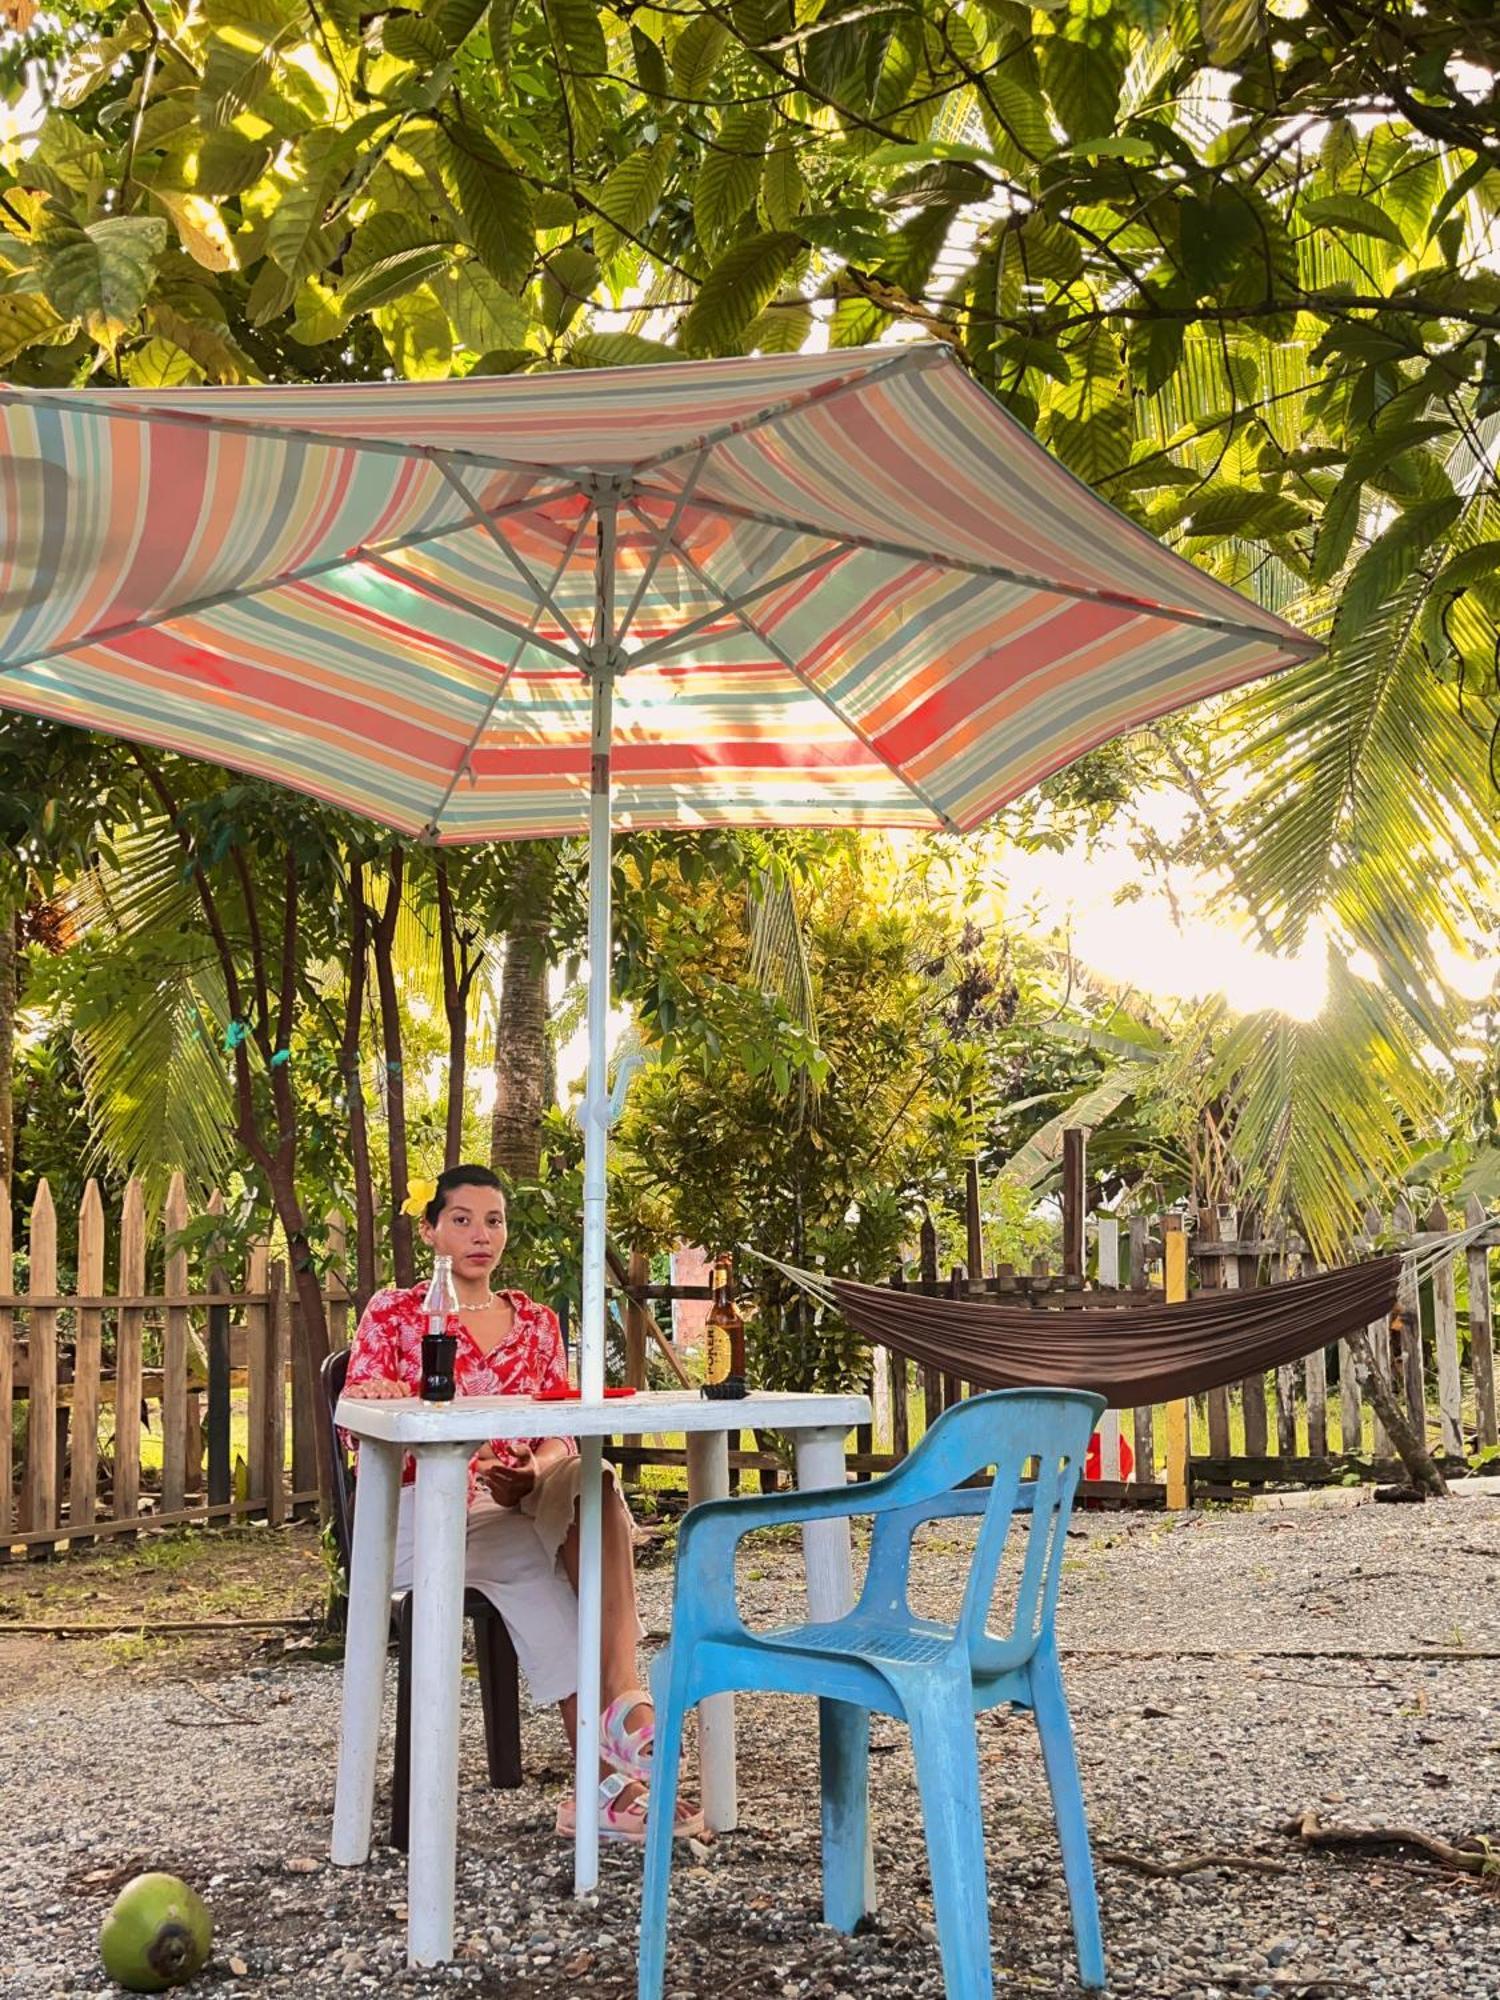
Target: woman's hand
[[508, 1485], [379, 1389]]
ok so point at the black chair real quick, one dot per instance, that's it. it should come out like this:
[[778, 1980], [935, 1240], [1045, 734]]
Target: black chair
[[499, 1682]]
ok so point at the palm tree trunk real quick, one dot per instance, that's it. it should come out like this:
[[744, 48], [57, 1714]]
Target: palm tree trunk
[[521, 1057], [1411, 1447]]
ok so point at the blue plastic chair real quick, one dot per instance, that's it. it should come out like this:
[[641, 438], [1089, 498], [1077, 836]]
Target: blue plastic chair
[[882, 1656]]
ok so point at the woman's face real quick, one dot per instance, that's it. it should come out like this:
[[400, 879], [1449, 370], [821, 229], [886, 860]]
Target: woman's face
[[470, 1229]]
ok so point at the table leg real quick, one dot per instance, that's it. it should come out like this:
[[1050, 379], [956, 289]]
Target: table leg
[[843, 1730], [369, 1628], [590, 1626], [436, 1659], [708, 1479]]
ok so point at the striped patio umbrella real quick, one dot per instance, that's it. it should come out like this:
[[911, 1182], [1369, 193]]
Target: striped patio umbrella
[[800, 590]]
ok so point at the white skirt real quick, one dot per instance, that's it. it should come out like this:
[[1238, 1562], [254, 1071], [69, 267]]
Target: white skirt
[[511, 1554]]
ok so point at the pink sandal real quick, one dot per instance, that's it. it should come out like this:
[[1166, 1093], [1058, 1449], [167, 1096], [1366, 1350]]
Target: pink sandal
[[629, 1750], [626, 1821]]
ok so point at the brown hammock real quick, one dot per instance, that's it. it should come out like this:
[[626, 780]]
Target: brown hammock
[[1131, 1355]]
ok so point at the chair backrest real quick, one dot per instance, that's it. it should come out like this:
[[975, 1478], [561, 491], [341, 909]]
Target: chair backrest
[[998, 1433], [332, 1375]]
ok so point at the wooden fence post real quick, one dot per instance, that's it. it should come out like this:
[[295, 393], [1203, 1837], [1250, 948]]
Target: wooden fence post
[[1481, 1330], [41, 1353], [7, 1377], [278, 1347], [258, 1377], [1253, 1387], [1143, 1424], [128, 1342], [1174, 1271], [932, 1380], [87, 1357], [220, 1479], [1211, 1279], [1445, 1340], [1409, 1305], [974, 1223], [1108, 1236], [336, 1284], [174, 1356], [1074, 1188]]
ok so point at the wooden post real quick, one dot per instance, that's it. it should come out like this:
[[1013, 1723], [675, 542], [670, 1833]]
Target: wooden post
[[41, 1350], [174, 1357], [932, 1380], [87, 1356], [638, 1277], [1074, 1184], [900, 1411], [1445, 1340], [336, 1284], [7, 1376], [1409, 1305], [278, 1345], [957, 1285], [1481, 1329], [257, 1377], [304, 1412], [1211, 1278], [1253, 1387], [974, 1222], [128, 1331], [1108, 1232], [1174, 1267], [1143, 1426], [220, 1485]]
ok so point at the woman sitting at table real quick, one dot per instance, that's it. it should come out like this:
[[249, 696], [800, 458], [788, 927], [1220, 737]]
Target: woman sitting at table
[[522, 1544]]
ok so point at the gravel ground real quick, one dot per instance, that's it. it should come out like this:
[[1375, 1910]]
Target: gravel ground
[[225, 1776]]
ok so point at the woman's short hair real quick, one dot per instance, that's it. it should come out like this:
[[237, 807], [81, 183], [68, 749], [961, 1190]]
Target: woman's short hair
[[457, 1177]]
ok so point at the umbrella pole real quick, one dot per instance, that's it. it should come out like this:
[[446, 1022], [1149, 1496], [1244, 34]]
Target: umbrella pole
[[595, 1163]]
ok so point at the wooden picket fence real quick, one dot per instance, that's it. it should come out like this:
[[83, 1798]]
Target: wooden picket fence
[[122, 1408]]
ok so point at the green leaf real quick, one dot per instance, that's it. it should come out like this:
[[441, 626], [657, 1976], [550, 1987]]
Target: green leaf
[[576, 27], [1243, 510], [629, 198], [390, 277], [783, 192], [208, 342], [1229, 27], [736, 291], [160, 364], [456, 20], [730, 174], [501, 22], [1355, 214], [27, 321], [485, 316], [415, 39], [496, 204], [417, 335], [102, 274], [616, 350], [782, 328], [1083, 71], [1390, 559], [241, 63], [1336, 534], [1089, 421], [650, 65], [319, 314], [696, 56], [569, 276], [228, 162]]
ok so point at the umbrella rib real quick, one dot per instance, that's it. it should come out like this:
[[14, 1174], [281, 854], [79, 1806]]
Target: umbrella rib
[[660, 649], [433, 824], [664, 537], [944, 819], [905, 360], [539, 591], [1286, 638], [253, 427], [192, 607], [425, 586]]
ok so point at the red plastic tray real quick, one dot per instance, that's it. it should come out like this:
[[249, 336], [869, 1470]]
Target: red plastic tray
[[570, 1395]]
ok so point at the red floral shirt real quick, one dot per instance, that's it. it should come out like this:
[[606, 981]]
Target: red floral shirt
[[388, 1343]]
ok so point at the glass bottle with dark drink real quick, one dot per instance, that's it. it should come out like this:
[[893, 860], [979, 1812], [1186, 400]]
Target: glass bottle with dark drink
[[723, 1338]]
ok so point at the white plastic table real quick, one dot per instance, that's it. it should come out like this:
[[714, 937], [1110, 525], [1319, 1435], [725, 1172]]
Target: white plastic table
[[443, 1437]]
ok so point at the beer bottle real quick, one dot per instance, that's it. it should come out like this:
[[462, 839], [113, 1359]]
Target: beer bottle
[[723, 1338]]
